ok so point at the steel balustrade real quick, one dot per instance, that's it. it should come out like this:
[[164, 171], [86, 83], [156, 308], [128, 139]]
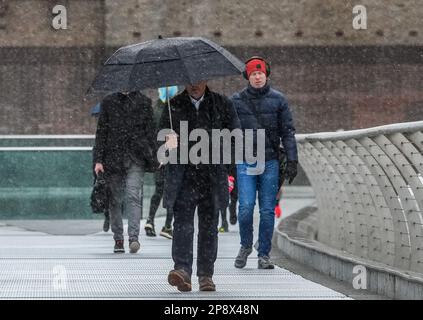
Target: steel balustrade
[[369, 189]]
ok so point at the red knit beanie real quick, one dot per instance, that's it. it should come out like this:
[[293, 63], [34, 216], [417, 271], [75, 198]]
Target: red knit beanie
[[255, 65]]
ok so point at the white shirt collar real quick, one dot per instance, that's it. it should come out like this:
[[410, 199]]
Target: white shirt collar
[[196, 102]]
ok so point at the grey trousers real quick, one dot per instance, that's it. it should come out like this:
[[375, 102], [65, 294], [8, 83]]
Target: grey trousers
[[129, 186]]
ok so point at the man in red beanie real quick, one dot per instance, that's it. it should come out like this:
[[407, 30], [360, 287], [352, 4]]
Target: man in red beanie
[[261, 107]]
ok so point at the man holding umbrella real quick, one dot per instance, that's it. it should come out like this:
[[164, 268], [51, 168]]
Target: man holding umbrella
[[203, 186], [181, 61]]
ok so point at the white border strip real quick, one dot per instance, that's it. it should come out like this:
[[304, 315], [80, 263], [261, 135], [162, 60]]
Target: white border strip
[[46, 148], [67, 136]]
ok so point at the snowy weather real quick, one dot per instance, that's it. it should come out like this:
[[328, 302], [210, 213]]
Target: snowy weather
[[185, 153]]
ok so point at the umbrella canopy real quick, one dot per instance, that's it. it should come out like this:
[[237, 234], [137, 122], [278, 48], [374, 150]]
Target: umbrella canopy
[[165, 62]]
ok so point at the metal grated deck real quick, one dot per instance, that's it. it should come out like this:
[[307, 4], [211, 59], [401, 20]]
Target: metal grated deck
[[34, 265]]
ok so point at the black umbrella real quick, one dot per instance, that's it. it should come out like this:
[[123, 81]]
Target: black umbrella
[[165, 62]]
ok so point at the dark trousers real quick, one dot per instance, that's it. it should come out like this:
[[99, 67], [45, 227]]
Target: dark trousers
[[196, 192], [159, 177]]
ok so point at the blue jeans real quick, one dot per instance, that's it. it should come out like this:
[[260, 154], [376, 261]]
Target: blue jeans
[[267, 186]]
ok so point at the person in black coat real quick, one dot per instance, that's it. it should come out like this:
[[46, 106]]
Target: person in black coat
[[95, 112], [125, 148], [190, 186], [159, 177]]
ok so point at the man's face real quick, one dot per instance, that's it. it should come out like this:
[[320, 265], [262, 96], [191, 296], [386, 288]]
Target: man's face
[[197, 90], [257, 79]]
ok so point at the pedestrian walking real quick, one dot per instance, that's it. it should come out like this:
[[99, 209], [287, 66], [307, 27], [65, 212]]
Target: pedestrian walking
[[224, 227], [124, 150], [95, 112], [233, 196], [203, 186], [165, 93], [259, 106]]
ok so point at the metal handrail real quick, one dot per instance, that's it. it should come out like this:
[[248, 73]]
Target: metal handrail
[[369, 189]]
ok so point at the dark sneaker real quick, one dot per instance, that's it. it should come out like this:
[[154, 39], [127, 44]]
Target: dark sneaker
[[106, 224], [167, 232], [149, 230], [241, 259], [180, 279], [206, 284], [224, 227], [119, 246], [232, 213], [134, 246], [265, 263]]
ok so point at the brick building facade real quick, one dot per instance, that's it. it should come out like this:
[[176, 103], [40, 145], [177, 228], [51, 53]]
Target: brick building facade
[[334, 76]]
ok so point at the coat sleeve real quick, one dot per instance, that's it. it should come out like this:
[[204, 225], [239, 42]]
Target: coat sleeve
[[151, 126], [287, 131], [149, 121], [231, 120], [101, 134], [149, 137]]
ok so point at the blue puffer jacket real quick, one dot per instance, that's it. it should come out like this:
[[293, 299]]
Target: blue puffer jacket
[[275, 118]]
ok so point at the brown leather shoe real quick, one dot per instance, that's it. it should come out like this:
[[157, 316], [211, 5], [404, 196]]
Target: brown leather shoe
[[206, 284], [180, 279]]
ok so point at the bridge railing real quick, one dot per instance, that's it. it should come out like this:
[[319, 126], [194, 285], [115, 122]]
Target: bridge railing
[[369, 189], [50, 177]]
